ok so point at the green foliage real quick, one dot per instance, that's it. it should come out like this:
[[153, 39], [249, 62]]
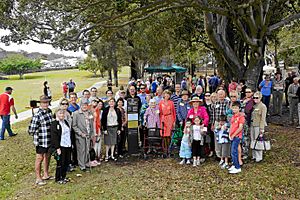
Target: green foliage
[[90, 64], [19, 64]]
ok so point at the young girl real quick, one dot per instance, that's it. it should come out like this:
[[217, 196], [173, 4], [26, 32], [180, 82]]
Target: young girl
[[185, 147], [197, 132]]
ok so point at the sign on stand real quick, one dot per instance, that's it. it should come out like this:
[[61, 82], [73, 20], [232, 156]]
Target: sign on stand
[[133, 125]]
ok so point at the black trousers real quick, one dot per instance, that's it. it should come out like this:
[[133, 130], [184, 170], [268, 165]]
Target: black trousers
[[197, 149], [73, 158], [63, 163], [121, 142]]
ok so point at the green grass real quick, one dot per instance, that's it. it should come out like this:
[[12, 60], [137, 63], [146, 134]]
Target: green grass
[[276, 178], [31, 87]]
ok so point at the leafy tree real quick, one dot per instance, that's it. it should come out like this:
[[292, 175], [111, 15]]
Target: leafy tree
[[19, 64], [90, 64]]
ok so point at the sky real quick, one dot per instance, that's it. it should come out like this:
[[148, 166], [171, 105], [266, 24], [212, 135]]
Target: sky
[[36, 47]]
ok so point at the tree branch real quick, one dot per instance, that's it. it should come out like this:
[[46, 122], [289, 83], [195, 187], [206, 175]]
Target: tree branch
[[283, 22]]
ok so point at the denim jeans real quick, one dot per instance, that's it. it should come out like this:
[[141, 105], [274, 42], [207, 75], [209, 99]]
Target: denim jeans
[[266, 101], [5, 125], [234, 152]]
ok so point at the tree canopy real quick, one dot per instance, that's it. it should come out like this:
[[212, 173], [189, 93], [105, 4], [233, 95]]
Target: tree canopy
[[237, 30]]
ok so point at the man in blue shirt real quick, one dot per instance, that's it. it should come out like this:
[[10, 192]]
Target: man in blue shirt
[[142, 94]]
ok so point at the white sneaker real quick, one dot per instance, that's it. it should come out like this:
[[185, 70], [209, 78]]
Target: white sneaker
[[188, 162], [235, 171], [221, 162], [202, 160], [182, 162], [231, 168], [198, 162], [195, 163], [225, 166]]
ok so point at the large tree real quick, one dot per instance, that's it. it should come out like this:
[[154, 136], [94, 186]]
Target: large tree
[[78, 23]]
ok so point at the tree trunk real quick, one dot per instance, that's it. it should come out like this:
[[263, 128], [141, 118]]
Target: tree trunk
[[115, 63], [109, 74], [133, 67]]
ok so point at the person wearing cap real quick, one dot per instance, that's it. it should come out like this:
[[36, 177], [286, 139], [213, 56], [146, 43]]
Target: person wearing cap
[[40, 129], [167, 118], [266, 90], [293, 99], [83, 126], [7, 102], [258, 122], [278, 90], [198, 110], [183, 107]]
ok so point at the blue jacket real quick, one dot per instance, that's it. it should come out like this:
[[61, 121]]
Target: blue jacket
[[182, 110]]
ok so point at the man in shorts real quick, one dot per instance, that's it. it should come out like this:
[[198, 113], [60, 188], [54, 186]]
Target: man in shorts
[[40, 129]]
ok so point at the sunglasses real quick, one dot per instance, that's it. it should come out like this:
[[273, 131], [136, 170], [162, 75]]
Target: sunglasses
[[233, 96], [255, 97], [248, 91], [143, 88], [207, 95], [64, 104]]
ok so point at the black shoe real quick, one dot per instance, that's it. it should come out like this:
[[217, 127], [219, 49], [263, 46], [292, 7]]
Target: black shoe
[[14, 134]]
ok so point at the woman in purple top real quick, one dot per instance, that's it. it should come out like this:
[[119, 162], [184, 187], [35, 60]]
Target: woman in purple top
[[151, 117]]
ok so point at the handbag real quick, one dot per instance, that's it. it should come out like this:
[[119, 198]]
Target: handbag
[[261, 144]]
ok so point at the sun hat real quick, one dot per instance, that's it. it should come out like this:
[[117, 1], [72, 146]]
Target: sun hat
[[44, 98], [195, 99], [185, 92]]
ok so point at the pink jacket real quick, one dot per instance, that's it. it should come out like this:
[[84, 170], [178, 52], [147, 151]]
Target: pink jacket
[[202, 113]]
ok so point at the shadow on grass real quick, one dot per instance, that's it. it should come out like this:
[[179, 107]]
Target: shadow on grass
[[29, 77]]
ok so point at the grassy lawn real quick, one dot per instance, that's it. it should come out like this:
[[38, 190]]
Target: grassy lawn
[[276, 178], [32, 86]]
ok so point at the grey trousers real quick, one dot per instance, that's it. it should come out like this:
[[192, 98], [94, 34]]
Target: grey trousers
[[293, 108], [277, 102], [217, 145], [82, 151], [254, 132]]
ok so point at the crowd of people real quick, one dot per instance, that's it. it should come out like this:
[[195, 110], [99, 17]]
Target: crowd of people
[[216, 119]]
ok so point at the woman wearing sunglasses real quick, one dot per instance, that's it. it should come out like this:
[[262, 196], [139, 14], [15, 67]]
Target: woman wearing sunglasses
[[258, 122]]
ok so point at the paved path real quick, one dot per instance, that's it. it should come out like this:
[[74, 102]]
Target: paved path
[[27, 114]]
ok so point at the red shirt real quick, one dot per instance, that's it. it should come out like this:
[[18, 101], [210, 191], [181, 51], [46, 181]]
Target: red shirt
[[6, 101], [235, 121]]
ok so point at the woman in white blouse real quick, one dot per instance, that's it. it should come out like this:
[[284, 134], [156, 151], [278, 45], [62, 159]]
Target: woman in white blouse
[[111, 123], [61, 142]]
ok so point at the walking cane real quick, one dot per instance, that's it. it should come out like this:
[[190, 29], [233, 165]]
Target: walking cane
[[88, 146]]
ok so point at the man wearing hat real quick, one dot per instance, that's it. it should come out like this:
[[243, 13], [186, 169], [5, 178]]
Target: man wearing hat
[[40, 129], [7, 102], [183, 107]]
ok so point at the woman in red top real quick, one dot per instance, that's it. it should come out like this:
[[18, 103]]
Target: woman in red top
[[64, 89], [96, 110], [167, 118], [198, 110]]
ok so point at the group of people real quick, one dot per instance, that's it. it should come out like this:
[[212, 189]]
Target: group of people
[[67, 88], [217, 120]]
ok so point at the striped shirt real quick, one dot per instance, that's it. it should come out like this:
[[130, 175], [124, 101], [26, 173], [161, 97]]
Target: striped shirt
[[40, 128], [175, 98]]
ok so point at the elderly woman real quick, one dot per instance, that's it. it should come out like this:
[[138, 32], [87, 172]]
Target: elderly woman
[[61, 142], [83, 125], [258, 122], [167, 118], [198, 110], [112, 125], [199, 92], [63, 105]]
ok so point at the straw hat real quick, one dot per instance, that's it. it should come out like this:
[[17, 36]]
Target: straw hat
[[195, 99], [44, 98]]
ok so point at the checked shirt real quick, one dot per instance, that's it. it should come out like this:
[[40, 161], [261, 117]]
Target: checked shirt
[[219, 108], [40, 128]]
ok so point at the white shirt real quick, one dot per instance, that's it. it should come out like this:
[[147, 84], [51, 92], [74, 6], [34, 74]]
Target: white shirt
[[65, 140], [112, 118], [197, 133]]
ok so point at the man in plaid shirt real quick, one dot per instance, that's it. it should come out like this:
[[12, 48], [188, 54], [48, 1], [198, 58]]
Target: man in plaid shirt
[[39, 128], [219, 108]]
